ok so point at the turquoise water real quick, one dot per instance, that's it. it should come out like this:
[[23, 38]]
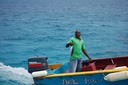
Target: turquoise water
[[42, 28]]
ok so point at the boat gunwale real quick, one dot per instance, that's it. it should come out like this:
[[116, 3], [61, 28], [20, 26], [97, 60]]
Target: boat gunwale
[[83, 73]]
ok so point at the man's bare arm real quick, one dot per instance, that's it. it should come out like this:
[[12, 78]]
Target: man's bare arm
[[84, 51]]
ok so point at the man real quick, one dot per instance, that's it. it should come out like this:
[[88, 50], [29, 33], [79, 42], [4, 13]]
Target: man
[[76, 53]]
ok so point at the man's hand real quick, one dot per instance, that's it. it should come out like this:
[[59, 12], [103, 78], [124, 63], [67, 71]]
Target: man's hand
[[69, 44], [89, 59]]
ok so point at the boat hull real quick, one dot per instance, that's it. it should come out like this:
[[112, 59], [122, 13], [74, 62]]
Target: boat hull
[[91, 79], [108, 71]]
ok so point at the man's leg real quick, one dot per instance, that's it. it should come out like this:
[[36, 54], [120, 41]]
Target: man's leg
[[72, 65], [79, 65]]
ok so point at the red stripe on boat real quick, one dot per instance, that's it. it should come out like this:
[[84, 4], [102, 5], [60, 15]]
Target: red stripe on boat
[[34, 65]]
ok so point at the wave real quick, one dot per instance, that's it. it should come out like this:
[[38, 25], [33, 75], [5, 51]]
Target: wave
[[13, 74]]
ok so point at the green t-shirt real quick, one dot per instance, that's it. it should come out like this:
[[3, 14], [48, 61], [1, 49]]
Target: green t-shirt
[[78, 45]]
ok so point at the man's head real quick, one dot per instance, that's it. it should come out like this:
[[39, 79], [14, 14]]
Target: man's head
[[77, 33]]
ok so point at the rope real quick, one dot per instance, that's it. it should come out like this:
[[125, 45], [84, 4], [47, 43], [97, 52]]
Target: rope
[[112, 61], [102, 73]]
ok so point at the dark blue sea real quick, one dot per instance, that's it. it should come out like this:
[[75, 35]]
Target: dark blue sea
[[31, 28]]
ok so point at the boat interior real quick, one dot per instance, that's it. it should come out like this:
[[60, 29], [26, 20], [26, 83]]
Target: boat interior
[[95, 64], [105, 63]]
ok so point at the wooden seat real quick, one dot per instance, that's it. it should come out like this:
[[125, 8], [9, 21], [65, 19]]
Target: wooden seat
[[111, 66]]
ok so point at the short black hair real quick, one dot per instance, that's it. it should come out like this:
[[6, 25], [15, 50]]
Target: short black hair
[[77, 31]]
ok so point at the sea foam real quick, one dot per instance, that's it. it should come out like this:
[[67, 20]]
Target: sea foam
[[18, 74]]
